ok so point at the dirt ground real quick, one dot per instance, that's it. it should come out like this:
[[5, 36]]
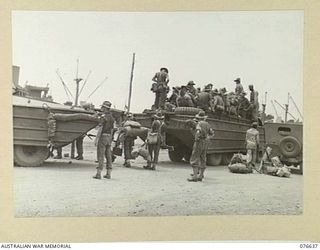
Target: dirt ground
[[66, 188]]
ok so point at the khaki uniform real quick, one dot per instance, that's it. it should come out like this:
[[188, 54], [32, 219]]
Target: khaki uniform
[[184, 101], [239, 88], [254, 104], [154, 149], [104, 138], [252, 142], [161, 80], [200, 146]]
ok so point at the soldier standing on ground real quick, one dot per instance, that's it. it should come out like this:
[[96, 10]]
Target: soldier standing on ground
[[128, 144], [104, 139], [254, 102], [154, 140], [252, 144], [198, 158], [160, 88], [239, 88]]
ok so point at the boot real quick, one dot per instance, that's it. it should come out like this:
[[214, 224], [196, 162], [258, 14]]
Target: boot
[[148, 165], [153, 167], [108, 174], [127, 164], [201, 176], [79, 157], [195, 175], [98, 174]]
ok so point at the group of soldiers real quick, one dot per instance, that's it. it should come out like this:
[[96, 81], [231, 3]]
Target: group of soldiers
[[154, 140], [208, 99], [185, 96], [105, 136]]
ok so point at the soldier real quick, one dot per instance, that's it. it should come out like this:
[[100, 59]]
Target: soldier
[[239, 88], [203, 100], [128, 144], [198, 158], [252, 144], [254, 102], [160, 88], [192, 91], [172, 101], [154, 140], [79, 147], [184, 100], [217, 103], [104, 139], [243, 106]]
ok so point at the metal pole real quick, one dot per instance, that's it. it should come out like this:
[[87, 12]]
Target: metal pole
[[131, 79]]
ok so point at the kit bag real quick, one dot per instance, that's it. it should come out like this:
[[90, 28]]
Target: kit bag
[[152, 138], [239, 168], [117, 151]]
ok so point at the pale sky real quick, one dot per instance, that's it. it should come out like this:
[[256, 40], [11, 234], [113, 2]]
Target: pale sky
[[263, 48]]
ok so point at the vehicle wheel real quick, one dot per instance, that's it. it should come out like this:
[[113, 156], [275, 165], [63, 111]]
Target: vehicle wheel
[[214, 159], [176, 155], [30, 156], [289, 146], [226, 158], [187, 110]]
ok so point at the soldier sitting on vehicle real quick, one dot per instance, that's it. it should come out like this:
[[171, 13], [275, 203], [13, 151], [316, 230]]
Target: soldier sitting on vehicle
[[233, 100], [192, 91], [244, 106], [172, 100], [184, 99], [203, 99], [217, 104]]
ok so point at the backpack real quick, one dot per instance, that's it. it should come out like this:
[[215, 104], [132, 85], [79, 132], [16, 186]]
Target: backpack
[[152, 138]]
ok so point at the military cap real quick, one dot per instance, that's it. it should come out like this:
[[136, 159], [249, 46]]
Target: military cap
[[106, 104], [237, 80], [254, 124], [191, 83], [183, 87], [165, 69]]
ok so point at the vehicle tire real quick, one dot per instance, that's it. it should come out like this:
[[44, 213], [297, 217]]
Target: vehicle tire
[[214, 159], [176, 155], [289, 146], [30, 156], [226, 158], [187, 110]]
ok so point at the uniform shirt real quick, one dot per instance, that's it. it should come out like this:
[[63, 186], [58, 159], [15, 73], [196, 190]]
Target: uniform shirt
[[192, 90], [184, 101], [238, 89], [161, 77], [203, 130], [173, 98], [156, 126], [107, 123], [217, 100], [203, 99], [254, 98], [252, 138], [244, 103]]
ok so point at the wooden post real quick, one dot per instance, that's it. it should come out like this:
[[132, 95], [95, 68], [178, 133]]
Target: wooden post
[[131, 80]]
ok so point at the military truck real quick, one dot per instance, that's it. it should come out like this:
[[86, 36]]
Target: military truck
[[286, 141], [230, 132]]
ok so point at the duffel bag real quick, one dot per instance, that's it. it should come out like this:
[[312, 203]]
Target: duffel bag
[[239, 168]]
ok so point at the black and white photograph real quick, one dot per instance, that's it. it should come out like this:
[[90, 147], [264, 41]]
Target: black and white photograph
[[135, 114]]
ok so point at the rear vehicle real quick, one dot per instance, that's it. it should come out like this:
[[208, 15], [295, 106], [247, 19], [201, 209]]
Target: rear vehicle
[[286, 141]]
